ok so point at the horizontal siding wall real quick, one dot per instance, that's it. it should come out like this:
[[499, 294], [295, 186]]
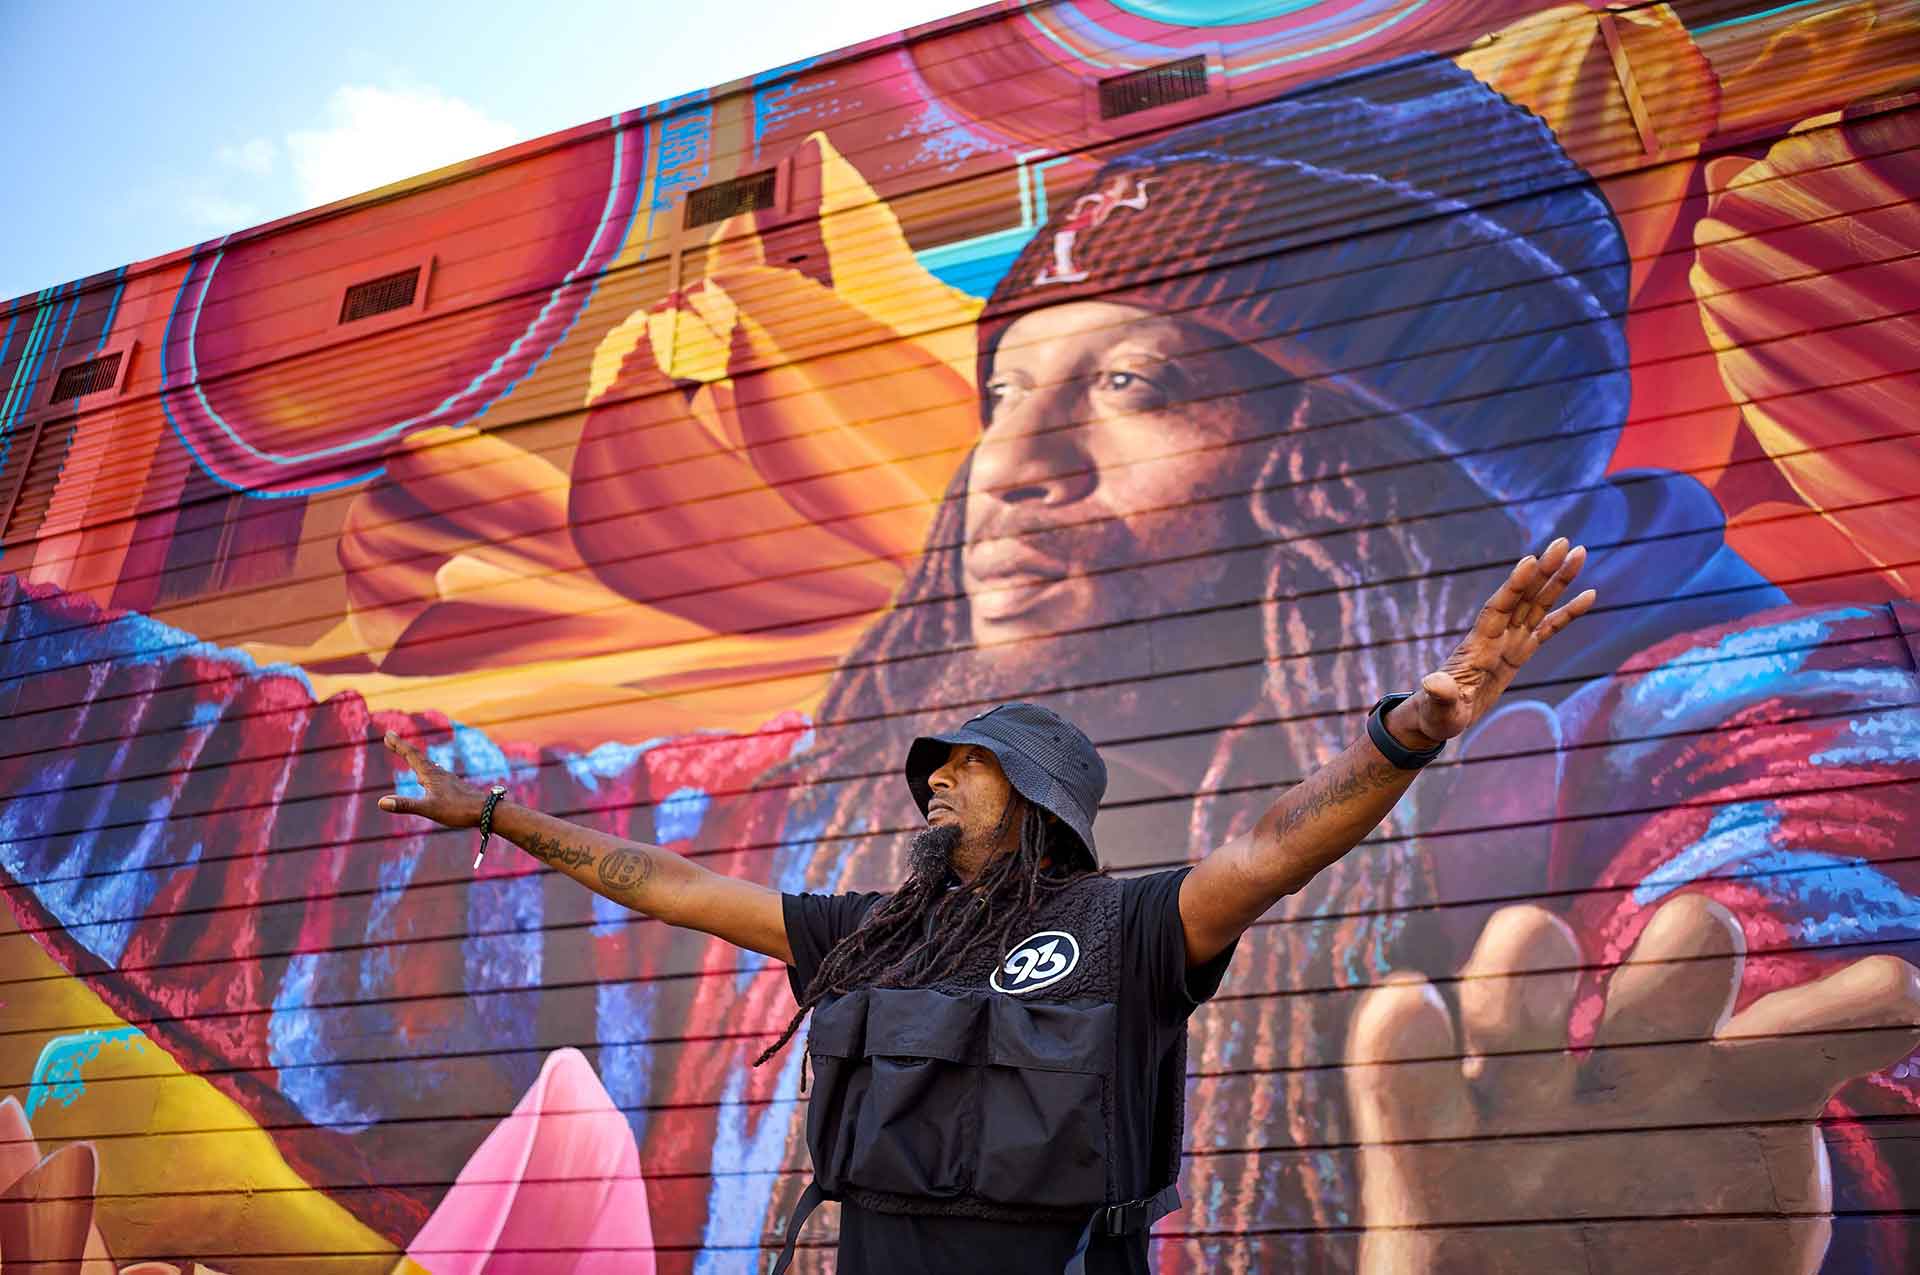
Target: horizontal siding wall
[[665, 528]]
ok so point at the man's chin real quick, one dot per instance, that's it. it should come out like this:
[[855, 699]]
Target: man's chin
[[1057, 610]]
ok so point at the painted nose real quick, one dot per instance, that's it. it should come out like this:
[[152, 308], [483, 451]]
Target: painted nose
[[1036, 451]]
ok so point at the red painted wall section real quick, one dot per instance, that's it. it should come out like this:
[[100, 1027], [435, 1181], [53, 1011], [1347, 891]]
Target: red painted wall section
[[1205, 424]]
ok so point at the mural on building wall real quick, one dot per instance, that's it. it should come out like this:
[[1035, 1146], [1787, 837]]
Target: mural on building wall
[[1207, 424]]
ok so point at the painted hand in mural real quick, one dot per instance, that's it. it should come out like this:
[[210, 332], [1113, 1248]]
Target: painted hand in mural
[[1683, 1111], [445, 798], [1509, 629]]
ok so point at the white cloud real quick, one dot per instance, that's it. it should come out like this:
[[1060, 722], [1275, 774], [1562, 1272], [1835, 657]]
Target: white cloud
[[254, 157], [380, 135]]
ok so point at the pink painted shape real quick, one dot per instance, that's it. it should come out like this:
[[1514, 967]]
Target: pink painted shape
[[555, 1187]]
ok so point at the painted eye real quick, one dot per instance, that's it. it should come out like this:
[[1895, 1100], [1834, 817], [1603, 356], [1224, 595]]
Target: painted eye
[[999, 394], [1130, 390]]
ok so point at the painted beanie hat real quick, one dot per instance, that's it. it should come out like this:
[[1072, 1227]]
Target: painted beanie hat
[[1406, 236]]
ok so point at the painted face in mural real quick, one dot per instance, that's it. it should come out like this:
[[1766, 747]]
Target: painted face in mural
[[1111, 436]]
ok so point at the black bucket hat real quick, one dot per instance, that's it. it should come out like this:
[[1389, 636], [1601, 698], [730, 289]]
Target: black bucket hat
[[1047, 759]]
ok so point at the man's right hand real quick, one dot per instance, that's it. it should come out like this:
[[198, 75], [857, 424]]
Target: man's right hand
[[446, 798]]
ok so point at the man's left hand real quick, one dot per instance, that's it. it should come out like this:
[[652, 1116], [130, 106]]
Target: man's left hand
[[1516, 620]]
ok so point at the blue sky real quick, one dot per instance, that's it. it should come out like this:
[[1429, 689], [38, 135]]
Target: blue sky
[[134, 129]]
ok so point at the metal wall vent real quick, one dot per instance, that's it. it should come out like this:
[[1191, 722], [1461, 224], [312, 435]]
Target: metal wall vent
[[79, 379], [1161, 85], [379, 296], [748, 193]]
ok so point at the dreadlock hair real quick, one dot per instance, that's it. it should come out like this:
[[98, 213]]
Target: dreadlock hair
[[1356, 603], [925, 932]]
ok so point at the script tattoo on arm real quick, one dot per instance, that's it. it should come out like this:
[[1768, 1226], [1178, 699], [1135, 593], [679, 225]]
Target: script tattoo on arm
[[560, 854], [1323, 794]]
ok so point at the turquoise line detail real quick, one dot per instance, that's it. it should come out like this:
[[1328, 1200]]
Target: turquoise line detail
[[1752, 17], [57, 1075], [113, 310], [24, 371], [1195, 13], [61, 344], [1351, 40], [21, 390]]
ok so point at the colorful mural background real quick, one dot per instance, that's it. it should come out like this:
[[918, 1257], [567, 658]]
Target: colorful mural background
[[682, 532]]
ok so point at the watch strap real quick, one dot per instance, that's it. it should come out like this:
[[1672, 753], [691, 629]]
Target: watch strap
[[1396, 753]]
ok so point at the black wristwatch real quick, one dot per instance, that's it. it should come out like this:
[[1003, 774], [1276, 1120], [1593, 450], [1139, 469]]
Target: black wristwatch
[[1392, 749]]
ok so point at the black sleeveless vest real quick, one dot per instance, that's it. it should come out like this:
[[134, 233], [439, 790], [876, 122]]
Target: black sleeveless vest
[[992, 1093]]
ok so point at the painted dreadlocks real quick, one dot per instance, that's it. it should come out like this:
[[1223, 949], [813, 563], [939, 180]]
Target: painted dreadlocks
[[1350, 572], [925, 931]]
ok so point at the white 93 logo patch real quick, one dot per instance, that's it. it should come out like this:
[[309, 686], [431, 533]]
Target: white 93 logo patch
[[1037, 962]]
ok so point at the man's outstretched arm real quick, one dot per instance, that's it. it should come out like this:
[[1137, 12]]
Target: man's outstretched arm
[[1326, 814], [648, 879]]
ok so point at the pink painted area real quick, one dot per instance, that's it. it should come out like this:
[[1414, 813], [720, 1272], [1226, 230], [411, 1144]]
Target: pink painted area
[[556, 1187]]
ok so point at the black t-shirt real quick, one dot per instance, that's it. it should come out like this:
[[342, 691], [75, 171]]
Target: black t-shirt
[[1164, 992]]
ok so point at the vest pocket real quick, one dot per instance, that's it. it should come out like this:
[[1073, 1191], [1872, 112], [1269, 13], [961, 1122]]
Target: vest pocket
[[901, 1115], [1043, 1103]]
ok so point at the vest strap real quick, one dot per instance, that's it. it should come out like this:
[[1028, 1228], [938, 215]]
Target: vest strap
[[1120, 1219], [802, 1209]]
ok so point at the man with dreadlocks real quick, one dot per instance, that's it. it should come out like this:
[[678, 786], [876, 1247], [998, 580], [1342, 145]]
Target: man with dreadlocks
[[1000, 1043]]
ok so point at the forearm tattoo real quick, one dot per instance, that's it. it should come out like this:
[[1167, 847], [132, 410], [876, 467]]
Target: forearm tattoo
[[1323, 793], [561, 854], [624, 870]]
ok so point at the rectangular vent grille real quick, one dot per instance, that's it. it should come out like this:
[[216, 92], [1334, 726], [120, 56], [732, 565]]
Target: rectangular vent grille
[[722, 200], [379, 296], [91, 377], [1161, 85]]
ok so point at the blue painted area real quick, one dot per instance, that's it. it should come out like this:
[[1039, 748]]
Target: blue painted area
[[944, 139], [773, 104], [623, 1012], [1211, 13], [609, 918], [680, 815], [682, 160], [979, 269], [483, 761], [98, 910], [1739, 667], [1701, 686], [1828, 898], [57, 1076], [503, 955], [45, 639], [747, 1152], [113, 308], [606, 761], [1734, 833], [393, 874], [1889, 737], [1303, 42], [298, 1046], [1840, 899]]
